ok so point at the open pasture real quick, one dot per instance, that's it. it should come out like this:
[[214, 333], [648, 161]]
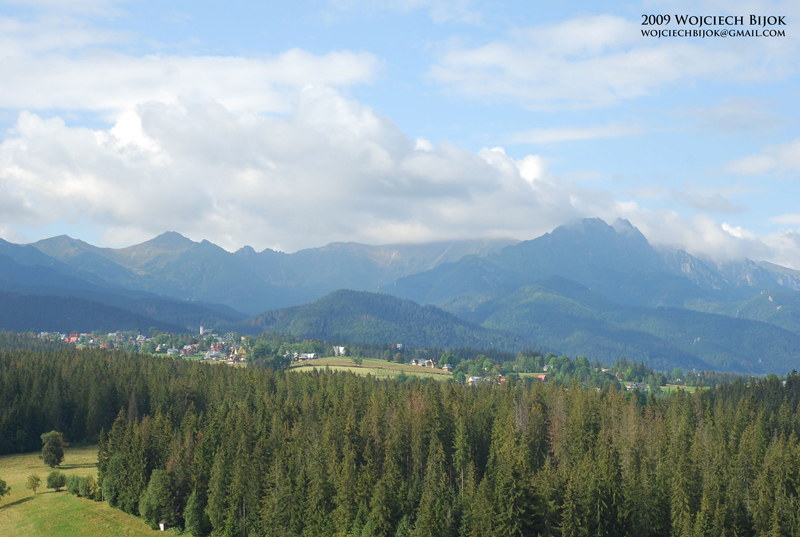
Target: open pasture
[[59, 514]]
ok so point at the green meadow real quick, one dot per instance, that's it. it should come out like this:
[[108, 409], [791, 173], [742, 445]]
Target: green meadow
[[58, 514], [371, 366]]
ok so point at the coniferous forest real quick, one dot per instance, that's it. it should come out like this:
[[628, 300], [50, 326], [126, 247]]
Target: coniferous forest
[[249, 451]]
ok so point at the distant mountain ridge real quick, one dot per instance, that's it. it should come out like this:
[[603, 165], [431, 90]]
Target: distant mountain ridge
[[251, 281], [48, 279], [585, 288], [614, 260]]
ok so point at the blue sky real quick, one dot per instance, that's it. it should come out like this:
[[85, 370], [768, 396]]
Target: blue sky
[[291, 125]]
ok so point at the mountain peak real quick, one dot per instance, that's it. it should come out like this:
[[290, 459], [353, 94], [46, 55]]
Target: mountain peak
[[171, 238], [622, 225], [245, 250]]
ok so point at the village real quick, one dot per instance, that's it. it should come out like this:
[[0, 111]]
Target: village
[[227, 347], [230, 348]]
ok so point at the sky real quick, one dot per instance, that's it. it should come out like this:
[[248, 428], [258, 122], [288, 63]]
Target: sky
[[295, 124]]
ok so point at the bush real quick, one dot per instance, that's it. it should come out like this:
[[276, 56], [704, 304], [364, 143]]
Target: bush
[[98, 491], [56, 480], [87, 487], [72, 484]]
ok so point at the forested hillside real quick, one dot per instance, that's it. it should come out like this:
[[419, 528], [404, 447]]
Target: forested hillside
[[562, 314], [364, 317], [67, 314], [258, 452]]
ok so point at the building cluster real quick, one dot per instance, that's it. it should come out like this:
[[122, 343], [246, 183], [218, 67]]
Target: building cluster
[[224, 348], [301, 356], [111, 340], [427, 363], [476, 381]]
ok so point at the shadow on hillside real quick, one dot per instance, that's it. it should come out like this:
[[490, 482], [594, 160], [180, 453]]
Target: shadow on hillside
[[21, 500]]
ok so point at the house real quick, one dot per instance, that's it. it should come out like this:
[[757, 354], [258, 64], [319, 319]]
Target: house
[[546, 368], [214, 355], [73, 338], [501, 379], [414, 361], [308, 356], [474, 381], [187, 350], [339, 351], [429, 363], [448, 368], [541, 378], [636, 386], [173, 352], [398, 346]]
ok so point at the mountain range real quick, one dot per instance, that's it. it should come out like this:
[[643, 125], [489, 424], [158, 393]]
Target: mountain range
[[585, 288]]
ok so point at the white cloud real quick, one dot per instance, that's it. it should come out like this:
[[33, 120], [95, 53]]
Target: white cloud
[[790, 219], [598, 61], [738, 115], [778, 158], [101, 80], [331, 170], [555, 135], [701, 235], [701, 199], [66, 63]]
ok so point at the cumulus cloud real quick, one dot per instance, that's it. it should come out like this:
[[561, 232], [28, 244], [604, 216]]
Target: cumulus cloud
[[593, 62], [333, 169], [701, 235]]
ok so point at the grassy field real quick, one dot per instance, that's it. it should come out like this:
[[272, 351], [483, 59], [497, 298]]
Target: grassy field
[[371, 366], [675, 387], [58, 514]]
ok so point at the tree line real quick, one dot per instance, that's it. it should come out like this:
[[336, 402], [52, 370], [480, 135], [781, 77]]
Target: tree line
[[234, 451]]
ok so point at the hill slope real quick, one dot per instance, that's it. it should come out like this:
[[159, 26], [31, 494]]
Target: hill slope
[[365, 317], [19, 313], [43, 279], [616, 261], [563, 314]]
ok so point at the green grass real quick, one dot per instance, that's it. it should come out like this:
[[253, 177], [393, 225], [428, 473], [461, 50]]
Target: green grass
[[675, 387], [371, 366], [59, 514]]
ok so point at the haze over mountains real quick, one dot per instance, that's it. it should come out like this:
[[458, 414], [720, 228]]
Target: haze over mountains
[[586, 288]]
